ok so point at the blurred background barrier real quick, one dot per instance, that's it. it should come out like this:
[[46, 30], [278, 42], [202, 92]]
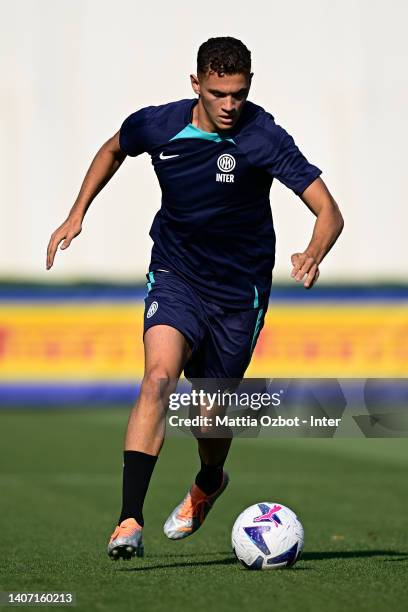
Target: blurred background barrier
[[74, 344]]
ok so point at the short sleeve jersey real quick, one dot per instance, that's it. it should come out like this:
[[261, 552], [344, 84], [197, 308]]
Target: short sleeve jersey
[[214, 227]]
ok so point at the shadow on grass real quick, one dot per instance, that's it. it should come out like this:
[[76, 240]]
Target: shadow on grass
[[190, 555], [178, 564], [352, 554], [193, 564], [230, 560]]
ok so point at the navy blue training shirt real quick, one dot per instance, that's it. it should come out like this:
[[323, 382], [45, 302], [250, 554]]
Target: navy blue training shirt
[[214, 227]]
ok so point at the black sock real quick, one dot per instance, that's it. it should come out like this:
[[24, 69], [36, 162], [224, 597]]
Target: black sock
[[137, 471], [209, 478]]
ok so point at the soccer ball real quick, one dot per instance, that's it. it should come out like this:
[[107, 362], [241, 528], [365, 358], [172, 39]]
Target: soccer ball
[[267, 536]]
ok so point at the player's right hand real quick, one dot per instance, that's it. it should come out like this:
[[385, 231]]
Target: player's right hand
[[66, 232]]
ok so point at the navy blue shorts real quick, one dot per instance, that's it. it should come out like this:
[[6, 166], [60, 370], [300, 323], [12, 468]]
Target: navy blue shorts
[[222, 341]]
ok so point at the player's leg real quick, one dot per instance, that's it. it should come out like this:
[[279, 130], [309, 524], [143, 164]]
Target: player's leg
[[210, 483], [211, 480], [224, 357], [213, 454], [213, 441], [166, 351]]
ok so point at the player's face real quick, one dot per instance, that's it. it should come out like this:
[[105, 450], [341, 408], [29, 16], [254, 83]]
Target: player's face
[[222, 97]]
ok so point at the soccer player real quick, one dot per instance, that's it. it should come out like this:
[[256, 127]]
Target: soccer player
[[209, 279]]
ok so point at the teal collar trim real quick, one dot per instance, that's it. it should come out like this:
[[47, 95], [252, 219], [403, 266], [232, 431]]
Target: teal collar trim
[[191, 131]]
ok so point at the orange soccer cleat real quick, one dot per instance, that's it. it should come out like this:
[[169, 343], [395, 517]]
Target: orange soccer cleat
[[188, 516], [126, 541]]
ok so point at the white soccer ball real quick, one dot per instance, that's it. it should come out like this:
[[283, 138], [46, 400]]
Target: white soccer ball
[[267, 536]]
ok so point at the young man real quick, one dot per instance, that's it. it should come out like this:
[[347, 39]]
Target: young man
[[210, 273]]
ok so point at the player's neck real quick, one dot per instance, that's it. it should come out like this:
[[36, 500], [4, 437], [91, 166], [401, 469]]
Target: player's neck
[[201, 120]]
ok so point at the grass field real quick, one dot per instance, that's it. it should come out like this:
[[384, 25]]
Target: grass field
[[60, 495]]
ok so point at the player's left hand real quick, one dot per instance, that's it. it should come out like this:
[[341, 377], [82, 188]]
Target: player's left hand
[[305, 265]]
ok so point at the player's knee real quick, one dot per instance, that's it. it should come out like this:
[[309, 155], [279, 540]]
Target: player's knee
[[157, 383]]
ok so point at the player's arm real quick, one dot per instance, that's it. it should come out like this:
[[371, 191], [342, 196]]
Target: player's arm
[[328, 226], [103, 167]]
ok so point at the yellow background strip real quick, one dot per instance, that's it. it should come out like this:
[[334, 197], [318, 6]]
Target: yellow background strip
[[103, 341]]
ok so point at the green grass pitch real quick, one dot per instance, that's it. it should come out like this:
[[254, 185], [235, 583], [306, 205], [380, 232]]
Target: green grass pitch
[[60, 476]]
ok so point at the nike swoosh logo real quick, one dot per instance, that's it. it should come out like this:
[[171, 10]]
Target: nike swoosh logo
[[163, 156]]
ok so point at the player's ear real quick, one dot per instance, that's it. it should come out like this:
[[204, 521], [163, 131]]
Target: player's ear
[[250, 78], [195, 84]]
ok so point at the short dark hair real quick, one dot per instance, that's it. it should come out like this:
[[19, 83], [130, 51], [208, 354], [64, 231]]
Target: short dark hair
[[224, 55]]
